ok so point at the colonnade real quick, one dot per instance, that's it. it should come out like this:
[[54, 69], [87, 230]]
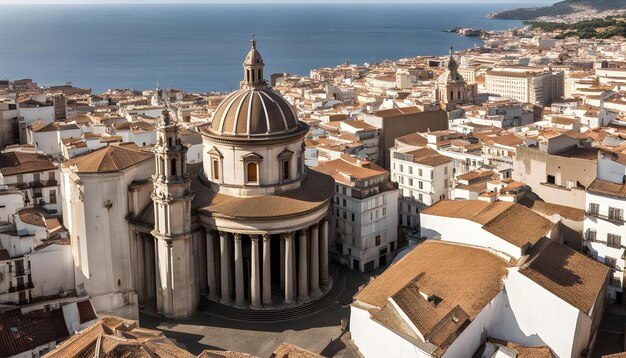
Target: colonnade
[[303, 274]]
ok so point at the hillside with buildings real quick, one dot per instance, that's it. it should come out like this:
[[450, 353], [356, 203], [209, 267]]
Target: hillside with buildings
[[564, 11]]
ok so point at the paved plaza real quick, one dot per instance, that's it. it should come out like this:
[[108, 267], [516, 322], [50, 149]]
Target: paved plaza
[[320, 333]]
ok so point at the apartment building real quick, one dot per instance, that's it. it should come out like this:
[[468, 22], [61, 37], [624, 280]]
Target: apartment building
[[363, 229], [527, 85], [605, 233], [423, 176], [557, 169]]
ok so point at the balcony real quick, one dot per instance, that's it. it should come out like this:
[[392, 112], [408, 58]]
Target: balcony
[[614, 220], [20, 273], [22, 287], [36, 184]]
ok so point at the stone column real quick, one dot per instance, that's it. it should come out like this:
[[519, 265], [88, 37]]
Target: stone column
[[289, 273], [267, 274], [303, 265], [315, 262], [240, 300], [282, 261], [324, 255], [255, 284], [225, 268], [210, 264]]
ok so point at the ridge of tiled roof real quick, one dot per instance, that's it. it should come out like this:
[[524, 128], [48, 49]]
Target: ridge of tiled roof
[[108, 159]]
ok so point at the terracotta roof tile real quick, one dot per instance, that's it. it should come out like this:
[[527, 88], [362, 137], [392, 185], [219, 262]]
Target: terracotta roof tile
[[604, 187], [572, 276], [14, 163], [108, 159]]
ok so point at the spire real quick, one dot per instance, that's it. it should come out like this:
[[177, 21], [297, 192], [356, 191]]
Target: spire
[[166, 120], [451, 52], [253, 43]]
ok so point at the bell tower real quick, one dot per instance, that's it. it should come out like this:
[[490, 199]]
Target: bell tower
[[253, 69], [176, 284]]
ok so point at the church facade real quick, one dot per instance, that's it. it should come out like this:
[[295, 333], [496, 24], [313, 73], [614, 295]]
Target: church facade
[[248, 227], [452, 90]]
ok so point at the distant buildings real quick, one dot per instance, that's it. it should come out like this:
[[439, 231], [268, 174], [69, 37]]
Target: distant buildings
[[526, 85], [397, 122]]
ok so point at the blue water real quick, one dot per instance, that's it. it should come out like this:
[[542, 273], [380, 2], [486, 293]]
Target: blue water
[[201, 47]]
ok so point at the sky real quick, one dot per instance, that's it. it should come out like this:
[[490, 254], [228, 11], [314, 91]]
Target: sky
[[12, 2]]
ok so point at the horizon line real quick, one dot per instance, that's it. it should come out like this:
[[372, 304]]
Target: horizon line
[[285, 2]]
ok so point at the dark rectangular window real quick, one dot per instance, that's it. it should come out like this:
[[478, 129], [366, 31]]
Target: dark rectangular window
[[616, 214], [614, 241], [591, 235]]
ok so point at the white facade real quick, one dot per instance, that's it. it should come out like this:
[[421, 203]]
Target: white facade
[[420, 185], [95, 214], [366, 228], [604, 230]]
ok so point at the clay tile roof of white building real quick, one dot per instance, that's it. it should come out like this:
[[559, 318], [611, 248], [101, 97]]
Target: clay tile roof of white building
[[477, 174], [14, 163], [346, 168], [429, 157], [520, 350], [117, 337], [570, 275], [108, 159], [599, 186], [511, 222], [457, 296], [549, 209]]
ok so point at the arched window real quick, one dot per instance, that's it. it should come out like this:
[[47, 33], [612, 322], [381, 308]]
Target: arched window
[[252, 173], [451, 95], [286, 170], [458, 95], [173, 167], [260, 75], [253, 76], [248, 75]]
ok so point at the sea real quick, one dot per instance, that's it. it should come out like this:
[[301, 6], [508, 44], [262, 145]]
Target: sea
[[201, 47]]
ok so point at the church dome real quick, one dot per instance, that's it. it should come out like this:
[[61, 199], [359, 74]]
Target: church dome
[[254, 112]]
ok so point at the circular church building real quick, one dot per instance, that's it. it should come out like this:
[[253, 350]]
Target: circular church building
[[265, 215]]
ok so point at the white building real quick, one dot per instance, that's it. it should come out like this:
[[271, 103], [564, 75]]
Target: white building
[[446, 300], [508, 228], [47, 137], [364, 224], [35, 257], [35, 175], [604, 229], [526, 85], [95, 211], [424, 177]]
